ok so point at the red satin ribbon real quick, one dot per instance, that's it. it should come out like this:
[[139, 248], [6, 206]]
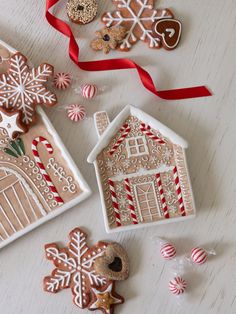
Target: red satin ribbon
[[119, 64]]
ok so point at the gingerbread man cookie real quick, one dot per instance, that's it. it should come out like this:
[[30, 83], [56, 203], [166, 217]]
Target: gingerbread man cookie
[[23, 89], [108, 38], [137, 16], [168, 31]]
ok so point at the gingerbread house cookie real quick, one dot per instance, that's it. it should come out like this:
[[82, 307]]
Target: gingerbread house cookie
[[141, 171]]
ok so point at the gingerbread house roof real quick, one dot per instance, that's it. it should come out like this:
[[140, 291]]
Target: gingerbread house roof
[[115, 125]]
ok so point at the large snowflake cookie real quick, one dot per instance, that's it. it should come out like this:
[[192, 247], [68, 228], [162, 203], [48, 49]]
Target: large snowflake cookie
[[137, 16], [75, 268], [23, 88]]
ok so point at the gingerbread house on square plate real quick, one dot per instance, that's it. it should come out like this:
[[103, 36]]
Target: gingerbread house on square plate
[[141, 171]]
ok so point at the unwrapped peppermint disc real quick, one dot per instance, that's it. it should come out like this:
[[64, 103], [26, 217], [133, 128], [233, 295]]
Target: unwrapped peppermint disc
[[76, 112]]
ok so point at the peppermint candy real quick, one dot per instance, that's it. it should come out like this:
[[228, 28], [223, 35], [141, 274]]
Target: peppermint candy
[[89, 91], [199, 255], [167, 251], [76, 112], [62, 80], [177, 285]]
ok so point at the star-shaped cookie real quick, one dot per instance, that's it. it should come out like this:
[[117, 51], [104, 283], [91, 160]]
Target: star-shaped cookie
[[23, 88], [11, 123], [105, 299]]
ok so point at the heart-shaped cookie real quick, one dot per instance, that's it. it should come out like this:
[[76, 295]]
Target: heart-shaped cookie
[[169, 31], [114, 263]]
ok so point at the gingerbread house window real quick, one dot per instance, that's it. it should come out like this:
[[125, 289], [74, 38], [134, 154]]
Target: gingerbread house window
[[147, 201], [136, 146]]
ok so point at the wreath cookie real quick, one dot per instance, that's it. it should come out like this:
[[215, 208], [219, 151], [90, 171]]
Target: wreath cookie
[[82, 11]]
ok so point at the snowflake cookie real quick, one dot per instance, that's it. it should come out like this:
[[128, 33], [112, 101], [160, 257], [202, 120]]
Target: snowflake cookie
[[137, 16], [23, 88], [75, 268]]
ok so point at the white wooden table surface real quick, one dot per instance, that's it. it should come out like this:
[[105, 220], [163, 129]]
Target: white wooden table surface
[[206, 56]]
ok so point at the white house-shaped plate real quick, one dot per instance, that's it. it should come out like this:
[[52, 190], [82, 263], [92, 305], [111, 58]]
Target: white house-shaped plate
[[141, 171]]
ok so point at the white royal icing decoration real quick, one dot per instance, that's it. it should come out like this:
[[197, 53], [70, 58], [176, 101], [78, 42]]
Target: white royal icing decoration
[[9, 123]]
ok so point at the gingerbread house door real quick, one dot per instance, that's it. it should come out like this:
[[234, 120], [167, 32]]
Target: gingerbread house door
[[19, 206], [146, 200]]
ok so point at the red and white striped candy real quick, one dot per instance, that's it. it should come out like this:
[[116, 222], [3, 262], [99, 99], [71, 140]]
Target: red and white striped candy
[[177, 285], [62, 80], [168, 251], [199, 255], [89, 91], [76, 112]]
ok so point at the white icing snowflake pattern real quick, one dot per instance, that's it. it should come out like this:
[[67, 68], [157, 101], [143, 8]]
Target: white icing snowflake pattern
[[75, 267], [110, 164], [125, 216], [122, 201], [137, 16], [170, 194], [126, 163], [22, 88], [167, 154]]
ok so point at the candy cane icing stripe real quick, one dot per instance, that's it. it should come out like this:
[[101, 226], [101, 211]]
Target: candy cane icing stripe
[[179, 192], [114, 202], [146, 129], [35, 152], [131, 202], [125, 129], [163, 200]]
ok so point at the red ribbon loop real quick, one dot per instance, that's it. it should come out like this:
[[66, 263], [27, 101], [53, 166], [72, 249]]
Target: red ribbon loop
[[119, 64]]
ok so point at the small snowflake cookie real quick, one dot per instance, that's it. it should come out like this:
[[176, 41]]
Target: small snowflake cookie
[[108, 38], [137, 16], [23, 88], [82, 11]]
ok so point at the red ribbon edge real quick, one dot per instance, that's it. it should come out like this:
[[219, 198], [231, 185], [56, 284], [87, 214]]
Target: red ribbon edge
[[119, 64]]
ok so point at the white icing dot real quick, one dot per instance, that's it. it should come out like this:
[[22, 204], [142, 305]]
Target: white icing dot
[[99, 250], [48, 254], [65, 264], [94, 253], [89, 256], [54, 258]]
